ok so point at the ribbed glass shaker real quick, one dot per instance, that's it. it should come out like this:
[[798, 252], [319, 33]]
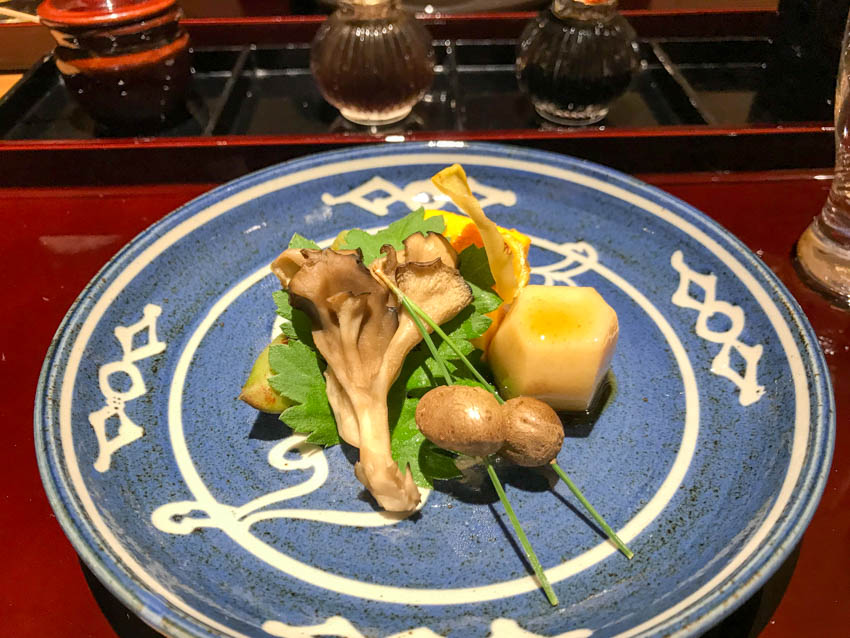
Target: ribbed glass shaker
[[372, 61], [575, 58]]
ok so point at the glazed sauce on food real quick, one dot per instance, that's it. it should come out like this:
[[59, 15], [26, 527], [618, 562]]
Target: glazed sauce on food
[[556, 320]]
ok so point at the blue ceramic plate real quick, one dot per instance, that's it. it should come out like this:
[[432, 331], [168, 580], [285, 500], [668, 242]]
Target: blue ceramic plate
[[206, 520]]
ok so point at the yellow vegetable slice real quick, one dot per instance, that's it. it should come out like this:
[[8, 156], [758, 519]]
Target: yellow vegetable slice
[[462, 232], [452, 182], [518, 244]]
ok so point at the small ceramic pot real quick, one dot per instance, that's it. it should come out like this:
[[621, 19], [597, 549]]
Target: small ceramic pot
[[126, 62], [575, 59]]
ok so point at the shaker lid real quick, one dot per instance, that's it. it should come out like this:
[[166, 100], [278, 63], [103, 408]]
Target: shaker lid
[[99, 12]]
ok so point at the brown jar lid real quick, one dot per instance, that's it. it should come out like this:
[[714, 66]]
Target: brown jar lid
[[81, 13]]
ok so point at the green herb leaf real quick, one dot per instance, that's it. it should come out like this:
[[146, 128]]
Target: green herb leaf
[[394, 234], [420, 371], [281, 300], [469, 324], [298, 367], [296, 324], [476, 270], [284, 309], [299, 378], [300, 242], [437, 463]]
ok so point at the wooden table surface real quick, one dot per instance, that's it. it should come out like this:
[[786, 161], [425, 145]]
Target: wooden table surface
[[45, 591]]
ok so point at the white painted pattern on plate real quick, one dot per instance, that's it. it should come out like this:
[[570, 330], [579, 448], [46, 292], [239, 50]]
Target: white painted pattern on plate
[[415, 194], [753, 549], [116, 400], [341, 628], [184, 517], [710, 306]]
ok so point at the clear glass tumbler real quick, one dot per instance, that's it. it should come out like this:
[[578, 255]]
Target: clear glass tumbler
[[823, 250]]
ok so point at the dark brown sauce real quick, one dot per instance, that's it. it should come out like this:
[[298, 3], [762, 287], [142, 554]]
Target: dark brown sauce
[[383, 67], [574, 94]]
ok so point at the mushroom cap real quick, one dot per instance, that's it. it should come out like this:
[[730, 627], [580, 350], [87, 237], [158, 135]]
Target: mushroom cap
[[534, 433], [461, 418]]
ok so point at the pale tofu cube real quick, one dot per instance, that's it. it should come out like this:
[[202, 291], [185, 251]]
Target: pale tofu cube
[[554, 344]]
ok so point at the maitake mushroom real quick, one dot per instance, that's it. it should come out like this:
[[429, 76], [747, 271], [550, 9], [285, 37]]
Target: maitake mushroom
[[364, 337]]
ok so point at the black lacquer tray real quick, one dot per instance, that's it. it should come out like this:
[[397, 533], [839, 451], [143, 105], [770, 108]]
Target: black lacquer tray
[[255, 103]]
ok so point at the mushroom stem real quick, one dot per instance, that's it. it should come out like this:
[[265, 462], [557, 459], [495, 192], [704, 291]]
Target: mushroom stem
[[523, 539], [376, 469], [415, 310], [353, 328]]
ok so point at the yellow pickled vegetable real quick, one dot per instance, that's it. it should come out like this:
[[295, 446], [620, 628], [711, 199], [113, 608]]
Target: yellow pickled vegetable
[[462, 232], [500, 253]]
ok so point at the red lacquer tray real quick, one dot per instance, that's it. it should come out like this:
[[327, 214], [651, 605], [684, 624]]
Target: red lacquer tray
[[55, 241]]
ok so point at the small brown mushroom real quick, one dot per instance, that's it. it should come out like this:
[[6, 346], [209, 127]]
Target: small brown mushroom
[[461, 418], [428, 247], [533, 432]]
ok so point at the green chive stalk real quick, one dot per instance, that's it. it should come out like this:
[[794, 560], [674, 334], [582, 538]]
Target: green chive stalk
[[444, 370], [523, 539], [414, 310], [612, 535]]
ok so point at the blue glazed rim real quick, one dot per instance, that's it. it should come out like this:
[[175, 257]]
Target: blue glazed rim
[[698, 617]]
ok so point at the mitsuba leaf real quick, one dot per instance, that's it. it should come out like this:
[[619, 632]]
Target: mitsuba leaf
[[299, 378], [301, 242], [394, 234]]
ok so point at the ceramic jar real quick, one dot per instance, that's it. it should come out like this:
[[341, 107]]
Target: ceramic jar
[[126, 62]]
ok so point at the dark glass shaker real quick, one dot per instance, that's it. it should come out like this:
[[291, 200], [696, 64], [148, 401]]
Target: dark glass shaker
[[373, 61], [575, 58]]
